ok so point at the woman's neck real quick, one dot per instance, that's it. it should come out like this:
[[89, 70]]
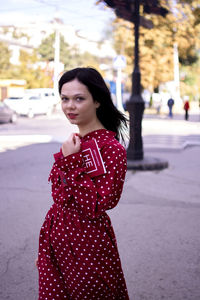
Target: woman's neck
[[83, 130]]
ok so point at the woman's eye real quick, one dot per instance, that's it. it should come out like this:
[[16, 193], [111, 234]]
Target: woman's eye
[[79, 99], [64, 98]]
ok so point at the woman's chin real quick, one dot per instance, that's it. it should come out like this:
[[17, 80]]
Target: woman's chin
[[72, 121]]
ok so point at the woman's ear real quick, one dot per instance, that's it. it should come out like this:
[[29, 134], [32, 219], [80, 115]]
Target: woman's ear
[[97, 104]]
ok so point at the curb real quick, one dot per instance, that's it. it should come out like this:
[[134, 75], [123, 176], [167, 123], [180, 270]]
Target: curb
[[147, 164]]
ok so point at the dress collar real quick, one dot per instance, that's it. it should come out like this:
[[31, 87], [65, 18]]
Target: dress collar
[[98, 133]]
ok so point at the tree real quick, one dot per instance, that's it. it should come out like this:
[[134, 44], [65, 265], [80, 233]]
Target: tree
[[156, 44], [70, 56], [4, 61], [189, 56], [30, 71], [46, 49]]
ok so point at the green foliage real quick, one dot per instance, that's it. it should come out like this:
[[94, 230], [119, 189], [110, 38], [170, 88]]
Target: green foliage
[[19, 35], [28, 70], [70, 56], [46, 48], [190, 82], [180, 26], [34, 65], [4, 60], [32, 73]]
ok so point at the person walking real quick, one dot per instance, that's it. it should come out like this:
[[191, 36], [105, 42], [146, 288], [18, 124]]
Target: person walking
[[78, 256], [170, 104], [186, 108]]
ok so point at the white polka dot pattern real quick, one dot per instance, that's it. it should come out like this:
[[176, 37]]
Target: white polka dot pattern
[[78, 255]]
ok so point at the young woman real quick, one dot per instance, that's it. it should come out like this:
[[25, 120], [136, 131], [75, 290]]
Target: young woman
[[78, 256]]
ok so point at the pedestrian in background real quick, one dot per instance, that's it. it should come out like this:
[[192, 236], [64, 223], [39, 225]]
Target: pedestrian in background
[[186, 108], [78, 256], [170, 104]]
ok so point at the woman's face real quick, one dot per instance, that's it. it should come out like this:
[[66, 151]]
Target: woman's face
[[78, 104]]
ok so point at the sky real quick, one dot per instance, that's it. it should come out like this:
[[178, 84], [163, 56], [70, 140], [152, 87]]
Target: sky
[[86, 17]]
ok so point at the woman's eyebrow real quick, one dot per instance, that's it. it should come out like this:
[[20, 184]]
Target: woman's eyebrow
[[75, 95]]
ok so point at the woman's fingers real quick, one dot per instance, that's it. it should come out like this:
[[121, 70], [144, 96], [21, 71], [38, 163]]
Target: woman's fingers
[[71, 145], [77, 143], [76, 139]]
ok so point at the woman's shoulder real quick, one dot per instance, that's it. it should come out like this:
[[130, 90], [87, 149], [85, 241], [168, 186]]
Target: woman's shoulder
[[112, 145]]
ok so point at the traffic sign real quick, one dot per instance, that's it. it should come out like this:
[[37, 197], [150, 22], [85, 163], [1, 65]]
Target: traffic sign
[[119, 62]]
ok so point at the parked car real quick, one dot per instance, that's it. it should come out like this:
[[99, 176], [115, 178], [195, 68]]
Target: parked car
[[7, 114], [45, 93], [30, 105]]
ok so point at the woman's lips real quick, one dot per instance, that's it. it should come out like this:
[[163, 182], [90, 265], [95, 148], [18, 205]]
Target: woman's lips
[[72, 116]]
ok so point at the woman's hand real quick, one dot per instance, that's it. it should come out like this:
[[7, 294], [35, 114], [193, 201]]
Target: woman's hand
[[71, 145]]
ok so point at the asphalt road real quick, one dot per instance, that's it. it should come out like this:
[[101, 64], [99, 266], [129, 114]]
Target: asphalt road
[[157, 221]]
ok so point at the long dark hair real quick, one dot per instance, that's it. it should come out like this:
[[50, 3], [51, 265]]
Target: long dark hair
[[110, 117]]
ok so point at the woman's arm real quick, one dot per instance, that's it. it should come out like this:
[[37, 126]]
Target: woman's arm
[[93, 195]]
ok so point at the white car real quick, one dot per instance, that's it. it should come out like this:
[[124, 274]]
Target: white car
[[30, 105], [45, 93]]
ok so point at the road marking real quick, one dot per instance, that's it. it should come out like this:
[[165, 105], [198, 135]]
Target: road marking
[[12, 142]]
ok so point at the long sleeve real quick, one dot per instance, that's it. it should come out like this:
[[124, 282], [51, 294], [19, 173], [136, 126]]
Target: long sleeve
[[93, 196]]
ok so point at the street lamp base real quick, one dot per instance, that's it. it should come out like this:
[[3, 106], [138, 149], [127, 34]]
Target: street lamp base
[[135, 107], [147, 164]]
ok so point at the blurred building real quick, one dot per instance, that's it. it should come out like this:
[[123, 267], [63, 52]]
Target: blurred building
[[11, 88]]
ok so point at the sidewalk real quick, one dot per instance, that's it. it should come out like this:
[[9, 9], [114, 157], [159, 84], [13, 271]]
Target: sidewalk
[[162, 133], [157, 226], [158, 131]]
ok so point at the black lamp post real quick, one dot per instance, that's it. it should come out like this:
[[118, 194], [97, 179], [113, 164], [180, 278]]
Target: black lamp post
[[135, 105], [130, 11]]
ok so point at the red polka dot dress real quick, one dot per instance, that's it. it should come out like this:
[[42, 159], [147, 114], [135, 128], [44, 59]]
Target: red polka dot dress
[[78, 256]]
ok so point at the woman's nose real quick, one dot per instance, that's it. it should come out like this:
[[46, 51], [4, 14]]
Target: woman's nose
[[71, 104]]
